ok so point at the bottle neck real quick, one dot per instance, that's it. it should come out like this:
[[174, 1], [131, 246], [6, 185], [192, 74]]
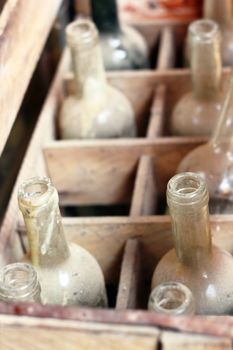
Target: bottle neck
[[105, 15], [223, 136], [38, 201], [172, 298], [205, 58], [19, 282], [219, 11], [88, 66], [188, 206]]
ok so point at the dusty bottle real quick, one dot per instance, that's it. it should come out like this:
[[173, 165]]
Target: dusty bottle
[[19, 282], [205, 269], [97, 110], [122, 46], [222, 13], [197, 111], [172, 298], [67, 273], [214, 160]]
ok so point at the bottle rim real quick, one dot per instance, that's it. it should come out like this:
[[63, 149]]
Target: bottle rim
[[187, 188], [81, 33], [204, 29], [35, 192], [29, 282], [160, 295]]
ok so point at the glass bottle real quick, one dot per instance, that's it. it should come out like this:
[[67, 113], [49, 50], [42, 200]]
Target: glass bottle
[[122, 46], [222, 13], [67, 273], [205, 269], [172, 298], [97, 110], [192, 113], [19, 282], [214, 160]]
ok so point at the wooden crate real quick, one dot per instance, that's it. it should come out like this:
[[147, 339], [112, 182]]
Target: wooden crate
[[109, 172]]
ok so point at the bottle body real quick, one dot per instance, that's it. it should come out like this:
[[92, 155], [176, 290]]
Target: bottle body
[[222, 12], [68, 274], [19, 283], [195, 262], [197, 111], [122, 46], [172, 298], [97, 110]]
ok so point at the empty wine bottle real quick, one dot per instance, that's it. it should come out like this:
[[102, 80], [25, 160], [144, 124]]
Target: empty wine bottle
[[197, 111], [97, 110], [172, 298], [222, 13], [19, 282], [214, 160], [122, 46], [67, 273], [205, 269]]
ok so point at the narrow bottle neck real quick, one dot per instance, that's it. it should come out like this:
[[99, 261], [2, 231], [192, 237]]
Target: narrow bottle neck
[[48, 246], [205, 59], [105, 15], [191, 233], [187, 198], [19, 282], [89, 73], [218, 10]]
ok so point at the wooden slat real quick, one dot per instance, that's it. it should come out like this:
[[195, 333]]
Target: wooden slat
[[24, 28], [172, 340], [128, 290], [92, 166], [166, 57], [35, 333], [155, 127], [144, 193]]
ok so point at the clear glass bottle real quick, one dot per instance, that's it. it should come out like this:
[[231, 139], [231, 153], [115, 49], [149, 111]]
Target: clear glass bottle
[[222, 13], [19, 282], [122, 46], [214, 160], [205, 269], [67, 273], [197, 111], [98, 110], [172, 298]]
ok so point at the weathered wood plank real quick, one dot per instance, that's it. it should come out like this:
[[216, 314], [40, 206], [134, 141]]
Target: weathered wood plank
[[24, 27], [92, 166], [128, 289], [166, 57], [155, 126], [144, 192]]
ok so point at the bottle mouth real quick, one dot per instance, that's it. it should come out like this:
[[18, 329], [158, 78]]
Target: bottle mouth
[[171, 298], [35, 191], [17, 280], [203, 29], [187, 189], [81, 32]]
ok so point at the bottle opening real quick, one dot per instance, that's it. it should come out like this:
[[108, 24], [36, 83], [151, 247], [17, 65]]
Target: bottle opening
[[170, 297], [81, 32], [203, 29], [35, 192], [187, 188], [17, 279]]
